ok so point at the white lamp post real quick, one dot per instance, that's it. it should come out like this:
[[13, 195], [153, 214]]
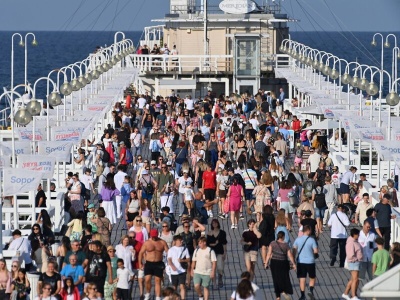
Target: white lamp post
[[34, 43]]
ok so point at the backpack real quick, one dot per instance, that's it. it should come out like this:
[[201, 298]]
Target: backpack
[[173, 224], [201, 214], [299, 153], [154, 146], [308, 186], [106, 156], [319, 198], [303, 136], [83, 189], [129, 157]]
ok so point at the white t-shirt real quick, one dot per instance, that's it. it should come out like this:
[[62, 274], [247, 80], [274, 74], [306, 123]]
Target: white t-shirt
[[183, 182], [123, 278], [233, 296], [46, 298], [204, 259], [189, 104], [175, 253], [254, 123], [87, 180], [141, 102], [314, 160], [136, 138]]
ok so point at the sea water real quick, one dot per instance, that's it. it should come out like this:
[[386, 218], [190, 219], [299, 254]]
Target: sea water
[[58, 49]]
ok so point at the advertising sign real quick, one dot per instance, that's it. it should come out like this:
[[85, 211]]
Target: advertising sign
[[18, 180], [42, 163], [60, 150], [237, 6]]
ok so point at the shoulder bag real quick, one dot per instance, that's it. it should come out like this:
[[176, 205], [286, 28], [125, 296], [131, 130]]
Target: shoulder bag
[[184, 265]]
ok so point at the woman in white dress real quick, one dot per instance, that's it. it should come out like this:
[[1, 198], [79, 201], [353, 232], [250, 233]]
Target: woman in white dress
[[108, 193]]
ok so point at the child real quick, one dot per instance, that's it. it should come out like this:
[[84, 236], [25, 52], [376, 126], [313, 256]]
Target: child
[[188, 197], [380, 258], [123, 277], [306, 204], [87, 237], [91, 215], [77, 226]]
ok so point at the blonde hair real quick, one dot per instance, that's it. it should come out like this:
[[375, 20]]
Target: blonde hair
[[97, 237], [280, 218]]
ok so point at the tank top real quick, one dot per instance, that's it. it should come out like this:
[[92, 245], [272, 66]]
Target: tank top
[[213, 145], [147, 123], [134, 206]]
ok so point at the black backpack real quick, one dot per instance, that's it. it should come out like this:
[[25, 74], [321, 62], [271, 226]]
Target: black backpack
[[83, 189], [319, 197], [106, 156], [200, 213], [173, 224], [308, 186]]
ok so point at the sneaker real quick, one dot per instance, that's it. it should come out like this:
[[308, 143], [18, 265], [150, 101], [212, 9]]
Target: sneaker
[[332, 263], [222, 217], [344, 296], [233, 226], [226, 216], [355, 298], [241, 217], [286, 296], [311, 296]]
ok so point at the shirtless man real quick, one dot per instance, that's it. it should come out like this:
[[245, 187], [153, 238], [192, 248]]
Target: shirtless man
[[153, 251]]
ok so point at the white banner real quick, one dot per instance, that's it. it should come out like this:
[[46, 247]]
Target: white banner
[[5, 161], [26, 133], [330, 110], [371, 134], [20, 181], [97, 107], [21, 147], [355, 123], [60, 150], [387, 149], [42, 163], [70, 133]]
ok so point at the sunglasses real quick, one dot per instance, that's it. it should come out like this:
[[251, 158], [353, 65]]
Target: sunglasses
[[165, 226], [46, 288], [139, 220], [186, 226], [139, 158], [14, 266]]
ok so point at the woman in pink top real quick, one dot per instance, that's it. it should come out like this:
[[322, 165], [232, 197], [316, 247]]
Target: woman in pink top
[[354, 255], [235, 195], [283, 194], [139, 229]]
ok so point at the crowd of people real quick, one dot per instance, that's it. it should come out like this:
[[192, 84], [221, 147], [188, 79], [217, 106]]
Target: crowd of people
[[180, 174]]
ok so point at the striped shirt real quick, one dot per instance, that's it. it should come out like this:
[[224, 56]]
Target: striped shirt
[[250, 177]]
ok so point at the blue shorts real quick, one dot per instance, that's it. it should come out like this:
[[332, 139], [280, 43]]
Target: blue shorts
[[319, 212], [248, 193], [344, 188]]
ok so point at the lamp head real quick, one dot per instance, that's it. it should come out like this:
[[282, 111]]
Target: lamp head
[[309, 61], [54, 99], [392, 99], [21, 43], [88, 77], [66, 89], [364, 83], [321, 66], [386, 45], [34, 107], [82, 80], [327, 70], [334, 74], [34, 43], [346, 78], [95, 74], [372, 89], [355, 82], [105, 67], [373, 43], [315, 64], [76, 85], [22, 117], [99, 69]]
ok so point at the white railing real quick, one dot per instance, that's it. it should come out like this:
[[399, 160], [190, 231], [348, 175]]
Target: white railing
[[183, 63]]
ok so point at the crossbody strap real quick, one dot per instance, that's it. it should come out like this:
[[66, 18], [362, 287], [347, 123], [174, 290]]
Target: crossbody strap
[[301, 249], [250, 178], [341, 221]]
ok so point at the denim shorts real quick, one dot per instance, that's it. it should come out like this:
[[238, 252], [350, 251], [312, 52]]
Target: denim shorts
[[354, 266], [319, 212]]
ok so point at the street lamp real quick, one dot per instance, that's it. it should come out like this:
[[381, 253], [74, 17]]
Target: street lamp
[[34, 43]]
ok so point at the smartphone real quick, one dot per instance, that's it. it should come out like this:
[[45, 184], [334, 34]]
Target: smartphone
[[371, 245]]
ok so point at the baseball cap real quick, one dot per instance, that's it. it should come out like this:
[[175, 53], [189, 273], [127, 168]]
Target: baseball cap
[[169, 163], [153, 162], [153, 233], [122, 143], [91, 205]]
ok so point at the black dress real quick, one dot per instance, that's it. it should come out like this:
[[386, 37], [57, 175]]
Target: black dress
[[280, 268], [266, 229]]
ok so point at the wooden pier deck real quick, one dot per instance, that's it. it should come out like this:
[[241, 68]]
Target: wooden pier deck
[[330, 282]]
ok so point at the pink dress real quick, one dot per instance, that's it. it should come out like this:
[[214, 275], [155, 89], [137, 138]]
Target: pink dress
[[235, 197]]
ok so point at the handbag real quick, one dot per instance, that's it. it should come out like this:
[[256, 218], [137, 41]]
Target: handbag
[[184, 265], [293, 199], [226, 205]]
